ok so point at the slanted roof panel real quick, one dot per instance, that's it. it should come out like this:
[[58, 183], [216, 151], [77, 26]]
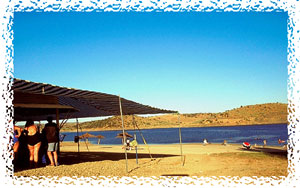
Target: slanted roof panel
[[89, 103]]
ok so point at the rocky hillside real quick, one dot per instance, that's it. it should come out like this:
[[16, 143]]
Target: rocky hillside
[[270, 113]]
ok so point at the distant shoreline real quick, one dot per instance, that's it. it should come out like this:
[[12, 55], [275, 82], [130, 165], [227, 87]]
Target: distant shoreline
[[162, 127]]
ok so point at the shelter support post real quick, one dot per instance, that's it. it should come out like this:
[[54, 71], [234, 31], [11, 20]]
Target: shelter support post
[[57, 117], [58, 126], [136, 154], [180, 139], [39, 127], [124, 141], [77, 125]]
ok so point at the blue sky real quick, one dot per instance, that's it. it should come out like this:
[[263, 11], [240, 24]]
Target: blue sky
[[190, 62]]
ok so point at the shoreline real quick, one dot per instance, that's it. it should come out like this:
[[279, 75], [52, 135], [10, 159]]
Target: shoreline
[[120, 129], [165, 148], [186, 144]]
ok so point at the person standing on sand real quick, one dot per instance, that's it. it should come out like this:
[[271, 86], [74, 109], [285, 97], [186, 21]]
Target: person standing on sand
[[265, 143], [33, 142], [51, 131], [17, 134]]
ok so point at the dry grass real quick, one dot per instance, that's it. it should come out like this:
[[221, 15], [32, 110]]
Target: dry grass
[[270, 113]]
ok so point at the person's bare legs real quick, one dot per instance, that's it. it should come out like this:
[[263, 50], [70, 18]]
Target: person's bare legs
[[55, 157], [49, 153], [36, 154], [16, 148], [31, 155]]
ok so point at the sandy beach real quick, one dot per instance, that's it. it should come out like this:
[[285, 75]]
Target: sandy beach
[[165, 160]]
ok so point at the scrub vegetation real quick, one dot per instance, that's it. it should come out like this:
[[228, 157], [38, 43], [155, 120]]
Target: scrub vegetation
[[270, 113]]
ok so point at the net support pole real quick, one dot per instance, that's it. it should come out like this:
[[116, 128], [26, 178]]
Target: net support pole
[[124, 141], [180, 139], [144, 141]]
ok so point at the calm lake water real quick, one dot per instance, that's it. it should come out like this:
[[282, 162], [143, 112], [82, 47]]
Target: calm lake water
[[234, 134]]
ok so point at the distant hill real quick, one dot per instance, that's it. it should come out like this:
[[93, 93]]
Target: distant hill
[[270, 113]]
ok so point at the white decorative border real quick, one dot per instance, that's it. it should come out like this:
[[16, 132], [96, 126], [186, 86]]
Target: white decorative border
[[7, 9]]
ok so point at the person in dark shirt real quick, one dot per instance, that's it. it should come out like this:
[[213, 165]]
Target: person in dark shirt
[[51, 131]]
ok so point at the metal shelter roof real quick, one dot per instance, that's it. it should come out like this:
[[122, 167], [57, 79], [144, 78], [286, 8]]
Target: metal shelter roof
[[30, 97]]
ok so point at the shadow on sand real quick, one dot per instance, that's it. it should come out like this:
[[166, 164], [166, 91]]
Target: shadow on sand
[[68, 158], [268, 150]]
